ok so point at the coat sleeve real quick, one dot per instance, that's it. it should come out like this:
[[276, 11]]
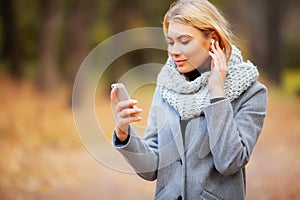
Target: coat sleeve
[[142, 153], [232, 136]]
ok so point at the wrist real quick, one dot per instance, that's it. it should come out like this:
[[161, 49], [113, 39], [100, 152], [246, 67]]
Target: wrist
[[218, 93], [215, 100], [121, 135]]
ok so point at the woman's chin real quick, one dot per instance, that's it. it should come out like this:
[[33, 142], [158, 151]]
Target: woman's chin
[[184, 69]]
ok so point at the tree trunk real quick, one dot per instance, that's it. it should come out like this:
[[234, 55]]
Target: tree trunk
[[48, 70], [78, 26], [274, 45], [11, 43], [262, 24], [79, 20]]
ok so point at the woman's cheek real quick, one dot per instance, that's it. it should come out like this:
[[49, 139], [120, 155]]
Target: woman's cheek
[[197, 58]]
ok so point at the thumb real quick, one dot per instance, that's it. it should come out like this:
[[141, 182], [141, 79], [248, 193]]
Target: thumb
[[212, 65], [113, 96]]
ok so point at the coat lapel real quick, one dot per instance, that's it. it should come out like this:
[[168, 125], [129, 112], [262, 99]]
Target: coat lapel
[[174, 121]]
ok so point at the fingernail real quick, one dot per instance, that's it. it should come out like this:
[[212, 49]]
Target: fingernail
[[134, 101], [140, 110]]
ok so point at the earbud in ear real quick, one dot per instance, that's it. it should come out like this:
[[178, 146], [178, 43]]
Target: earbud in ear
[[212, 41]]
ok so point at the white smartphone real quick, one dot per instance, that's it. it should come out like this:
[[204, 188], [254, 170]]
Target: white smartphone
[[122, 91]]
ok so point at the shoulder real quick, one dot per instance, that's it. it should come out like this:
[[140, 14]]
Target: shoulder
[[257, 87], [256, 94]]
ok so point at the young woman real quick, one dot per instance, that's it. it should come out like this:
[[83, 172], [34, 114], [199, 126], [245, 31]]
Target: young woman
[[207, 112]]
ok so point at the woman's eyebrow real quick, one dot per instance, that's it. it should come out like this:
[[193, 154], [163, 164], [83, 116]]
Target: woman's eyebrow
[[180, 37]]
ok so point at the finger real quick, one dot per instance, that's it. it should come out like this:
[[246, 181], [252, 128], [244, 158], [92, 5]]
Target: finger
[[211, 54], [212, 64], [126, 104], [216, 50], [215, 60], [221, 53], [126, 121], [130, 112], [213, 47], [220, 58], [133, 119]]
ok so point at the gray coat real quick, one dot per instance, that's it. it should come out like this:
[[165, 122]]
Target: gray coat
[[208, 160]]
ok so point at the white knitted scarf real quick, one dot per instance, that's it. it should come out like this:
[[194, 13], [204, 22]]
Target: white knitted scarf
[[189, 98]]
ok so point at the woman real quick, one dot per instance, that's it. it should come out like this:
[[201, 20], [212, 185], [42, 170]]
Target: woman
[[207, 112]]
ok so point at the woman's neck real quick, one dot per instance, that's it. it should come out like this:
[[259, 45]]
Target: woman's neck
[[191, 76]]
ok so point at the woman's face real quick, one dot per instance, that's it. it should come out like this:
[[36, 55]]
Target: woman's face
[[188, 46]]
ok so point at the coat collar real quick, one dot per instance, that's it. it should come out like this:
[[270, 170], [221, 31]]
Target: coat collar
[[174, 121]]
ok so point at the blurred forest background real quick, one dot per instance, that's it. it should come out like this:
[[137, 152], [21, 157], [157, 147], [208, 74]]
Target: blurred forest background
[[44, 42]]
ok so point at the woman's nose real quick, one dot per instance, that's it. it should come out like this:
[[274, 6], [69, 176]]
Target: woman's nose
[[174, 50]]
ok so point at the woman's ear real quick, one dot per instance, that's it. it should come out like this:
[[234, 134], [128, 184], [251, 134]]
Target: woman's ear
[[214, 36]]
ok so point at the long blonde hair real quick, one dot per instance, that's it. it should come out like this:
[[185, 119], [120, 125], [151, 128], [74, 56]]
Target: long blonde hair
[[202, 15]]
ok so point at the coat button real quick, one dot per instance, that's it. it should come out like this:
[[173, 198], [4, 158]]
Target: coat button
[[179, 197], [179, 160]]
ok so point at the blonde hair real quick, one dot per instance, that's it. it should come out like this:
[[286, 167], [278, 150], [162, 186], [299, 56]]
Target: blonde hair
[[202, 15]]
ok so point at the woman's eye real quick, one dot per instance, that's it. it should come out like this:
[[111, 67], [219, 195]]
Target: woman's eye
[[184, 42], [170, 42]]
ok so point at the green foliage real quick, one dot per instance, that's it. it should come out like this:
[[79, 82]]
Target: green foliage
[[291, 82], [28, 24], [292, 50], [109, 18]]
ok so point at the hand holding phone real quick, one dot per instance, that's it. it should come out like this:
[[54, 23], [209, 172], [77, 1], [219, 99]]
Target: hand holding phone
[[124, 109]]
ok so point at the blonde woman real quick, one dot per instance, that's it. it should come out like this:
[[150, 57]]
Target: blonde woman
[[207, 112]]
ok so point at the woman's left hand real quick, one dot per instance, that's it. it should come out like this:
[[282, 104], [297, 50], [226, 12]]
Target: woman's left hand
[[218, 71]]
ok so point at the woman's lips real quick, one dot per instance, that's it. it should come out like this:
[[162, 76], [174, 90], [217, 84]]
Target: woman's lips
[[179, 63]]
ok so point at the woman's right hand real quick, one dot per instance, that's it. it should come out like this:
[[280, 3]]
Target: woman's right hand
[[124, 112]]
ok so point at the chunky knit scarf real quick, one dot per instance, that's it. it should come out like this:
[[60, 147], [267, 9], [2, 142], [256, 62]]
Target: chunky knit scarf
[[189, 98]]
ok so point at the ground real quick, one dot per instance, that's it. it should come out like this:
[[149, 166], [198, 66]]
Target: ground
[[44, 159]]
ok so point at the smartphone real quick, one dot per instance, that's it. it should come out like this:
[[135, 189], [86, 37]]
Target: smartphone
[[122, 91]]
